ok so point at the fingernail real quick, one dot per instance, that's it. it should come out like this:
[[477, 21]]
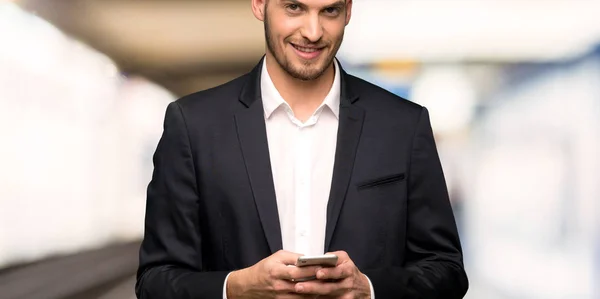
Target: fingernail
[[299, 288], [320, 274]]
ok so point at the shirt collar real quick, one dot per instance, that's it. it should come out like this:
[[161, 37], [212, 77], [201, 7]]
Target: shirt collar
[[272, 99]]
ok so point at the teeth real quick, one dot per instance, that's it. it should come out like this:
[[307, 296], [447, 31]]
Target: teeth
[[307, 50]]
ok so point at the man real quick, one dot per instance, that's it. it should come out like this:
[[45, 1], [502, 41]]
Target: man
[[297, 157]]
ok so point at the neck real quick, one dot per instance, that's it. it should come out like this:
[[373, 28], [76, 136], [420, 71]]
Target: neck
[[304, 97]]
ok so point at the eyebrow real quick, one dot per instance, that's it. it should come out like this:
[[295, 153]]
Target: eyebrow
[[338, 4]]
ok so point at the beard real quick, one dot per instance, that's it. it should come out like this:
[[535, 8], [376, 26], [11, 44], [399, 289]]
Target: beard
[[305, 70]]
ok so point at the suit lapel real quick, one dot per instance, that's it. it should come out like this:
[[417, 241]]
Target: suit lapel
[[349, 130], [252, 135]]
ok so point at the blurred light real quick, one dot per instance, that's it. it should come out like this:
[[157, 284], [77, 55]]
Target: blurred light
[[77, 142], [492, 30], [448, 95]]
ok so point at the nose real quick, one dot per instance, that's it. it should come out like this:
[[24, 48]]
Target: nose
[[312, 29]]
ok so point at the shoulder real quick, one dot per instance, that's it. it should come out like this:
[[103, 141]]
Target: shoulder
[[219, 98], [377, 100]]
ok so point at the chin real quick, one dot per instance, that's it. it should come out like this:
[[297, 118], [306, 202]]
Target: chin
[[313, 65], [307, 74]]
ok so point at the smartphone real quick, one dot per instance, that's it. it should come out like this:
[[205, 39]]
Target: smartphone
[[325, 260]]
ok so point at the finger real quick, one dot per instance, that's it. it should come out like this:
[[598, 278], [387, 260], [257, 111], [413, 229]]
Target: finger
[[342, 256], [282, 287], [286, 257], [339, 272], [280, 271], [289, 272], [319, 287], [302, 272]]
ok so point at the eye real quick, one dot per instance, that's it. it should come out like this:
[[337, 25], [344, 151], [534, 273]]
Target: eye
[[293, 7], [332, 11]]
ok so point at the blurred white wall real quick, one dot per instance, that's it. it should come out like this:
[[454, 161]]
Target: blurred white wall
[[476, 30], [533, 194], [76, 142]]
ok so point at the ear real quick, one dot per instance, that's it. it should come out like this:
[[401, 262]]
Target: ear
[[259, 9], [348, 11]]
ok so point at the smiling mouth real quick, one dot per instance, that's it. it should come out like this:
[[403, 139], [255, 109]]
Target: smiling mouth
[[307, 49]]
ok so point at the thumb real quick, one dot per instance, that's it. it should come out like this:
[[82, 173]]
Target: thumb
[[287, 257]]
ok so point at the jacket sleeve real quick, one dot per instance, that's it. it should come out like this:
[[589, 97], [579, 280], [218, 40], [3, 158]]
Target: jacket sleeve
[[434, 262], [170, 259]]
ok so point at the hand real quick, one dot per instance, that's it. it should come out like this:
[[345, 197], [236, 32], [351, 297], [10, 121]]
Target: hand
[[344, 281], [270, 278]]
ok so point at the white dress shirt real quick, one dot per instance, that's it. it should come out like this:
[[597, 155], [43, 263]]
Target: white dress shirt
[[302, 156]]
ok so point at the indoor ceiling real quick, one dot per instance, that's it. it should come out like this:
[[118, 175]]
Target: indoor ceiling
[[187, 45], [182, 45]]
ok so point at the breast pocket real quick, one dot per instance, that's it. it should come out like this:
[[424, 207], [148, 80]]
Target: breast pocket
[[374, 212], [383, 197], [381, 181]]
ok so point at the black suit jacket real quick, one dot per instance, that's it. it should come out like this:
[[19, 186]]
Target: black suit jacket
[[211, 204]]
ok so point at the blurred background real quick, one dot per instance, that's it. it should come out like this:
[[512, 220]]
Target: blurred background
[[512, 86]]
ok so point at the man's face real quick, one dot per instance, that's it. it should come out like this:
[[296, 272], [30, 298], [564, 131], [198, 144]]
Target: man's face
[[304, 35]]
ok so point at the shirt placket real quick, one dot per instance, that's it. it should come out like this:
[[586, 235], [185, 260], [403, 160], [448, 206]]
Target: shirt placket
[[302, 189]]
